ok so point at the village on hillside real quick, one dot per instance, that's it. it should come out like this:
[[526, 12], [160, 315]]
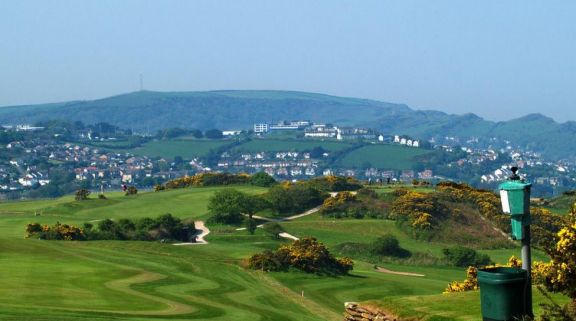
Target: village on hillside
[[89, 159]]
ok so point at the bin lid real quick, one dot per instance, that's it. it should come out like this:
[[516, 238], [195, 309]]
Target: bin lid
[[501, 275], [514, 185]]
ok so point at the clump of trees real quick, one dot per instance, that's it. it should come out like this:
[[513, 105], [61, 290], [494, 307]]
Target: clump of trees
[[306, 255], [207, 179], [228, 206], [165, 227], [334, 183], [288, 198], [218, 179]]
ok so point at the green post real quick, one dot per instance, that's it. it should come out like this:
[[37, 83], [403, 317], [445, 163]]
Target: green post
[[515, 197]]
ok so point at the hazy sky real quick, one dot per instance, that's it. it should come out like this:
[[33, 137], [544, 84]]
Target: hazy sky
[[498, 59]]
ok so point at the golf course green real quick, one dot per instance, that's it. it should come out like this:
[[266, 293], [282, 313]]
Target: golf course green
[[136, 280]]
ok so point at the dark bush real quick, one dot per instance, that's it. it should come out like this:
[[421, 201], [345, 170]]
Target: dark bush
[[463, 257]]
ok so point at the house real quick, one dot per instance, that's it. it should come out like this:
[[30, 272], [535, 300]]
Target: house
[[346, 133], [296, 171], [261, 128], [321, 131], [231, 132], [426, 174]]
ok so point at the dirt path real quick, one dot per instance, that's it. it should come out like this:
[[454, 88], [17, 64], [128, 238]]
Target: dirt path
[[199, 225], [384, 270]]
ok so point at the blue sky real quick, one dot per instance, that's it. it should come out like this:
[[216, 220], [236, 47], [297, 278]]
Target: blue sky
[[498, 59]]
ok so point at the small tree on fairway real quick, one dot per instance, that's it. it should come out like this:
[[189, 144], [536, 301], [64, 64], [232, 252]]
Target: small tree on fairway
[[82, 194], [251, 225], [274, 229], [131, 191]]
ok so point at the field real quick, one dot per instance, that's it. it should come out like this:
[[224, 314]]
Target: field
[[129, 280], [391, 157], [274, 145], [187, 149]]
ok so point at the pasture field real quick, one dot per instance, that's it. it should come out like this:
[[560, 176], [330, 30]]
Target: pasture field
[[276, 145], [131, 280], [186, 148], [393, 157]]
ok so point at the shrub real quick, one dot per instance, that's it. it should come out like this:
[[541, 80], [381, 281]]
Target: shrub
[[131, 190], [307, 255], [386, 245], [463, 256], [55, 232], [82, 194], [273, 229]]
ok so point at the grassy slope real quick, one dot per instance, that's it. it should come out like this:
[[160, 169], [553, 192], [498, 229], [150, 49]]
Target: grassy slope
[[187, 149], [113, 280], [383, 156], [274, 145]]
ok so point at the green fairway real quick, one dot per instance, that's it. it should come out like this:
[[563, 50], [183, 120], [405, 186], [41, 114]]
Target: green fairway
[[280, 145], [393, 157], [131, 280]]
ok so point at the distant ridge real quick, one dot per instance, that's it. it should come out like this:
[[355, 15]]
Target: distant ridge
[[239, 109]]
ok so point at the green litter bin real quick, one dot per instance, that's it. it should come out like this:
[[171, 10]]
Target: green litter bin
[[502, 291]]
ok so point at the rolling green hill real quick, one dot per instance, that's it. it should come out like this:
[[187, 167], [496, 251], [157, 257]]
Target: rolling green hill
[[148, 111]]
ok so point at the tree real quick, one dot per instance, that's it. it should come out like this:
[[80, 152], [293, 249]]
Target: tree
[[227, 206], [317, 152], [274, 229], [251, 225], [262, 179], [82, 194], [196, 133], [213, 134], [132, 190]]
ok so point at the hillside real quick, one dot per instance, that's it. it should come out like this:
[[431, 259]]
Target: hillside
[[149, 111]]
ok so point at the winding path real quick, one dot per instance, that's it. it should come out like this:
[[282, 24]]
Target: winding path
[[385, 270], [198, 225]]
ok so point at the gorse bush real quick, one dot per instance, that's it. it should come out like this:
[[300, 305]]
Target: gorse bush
[[55, 232], [307, 255]]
